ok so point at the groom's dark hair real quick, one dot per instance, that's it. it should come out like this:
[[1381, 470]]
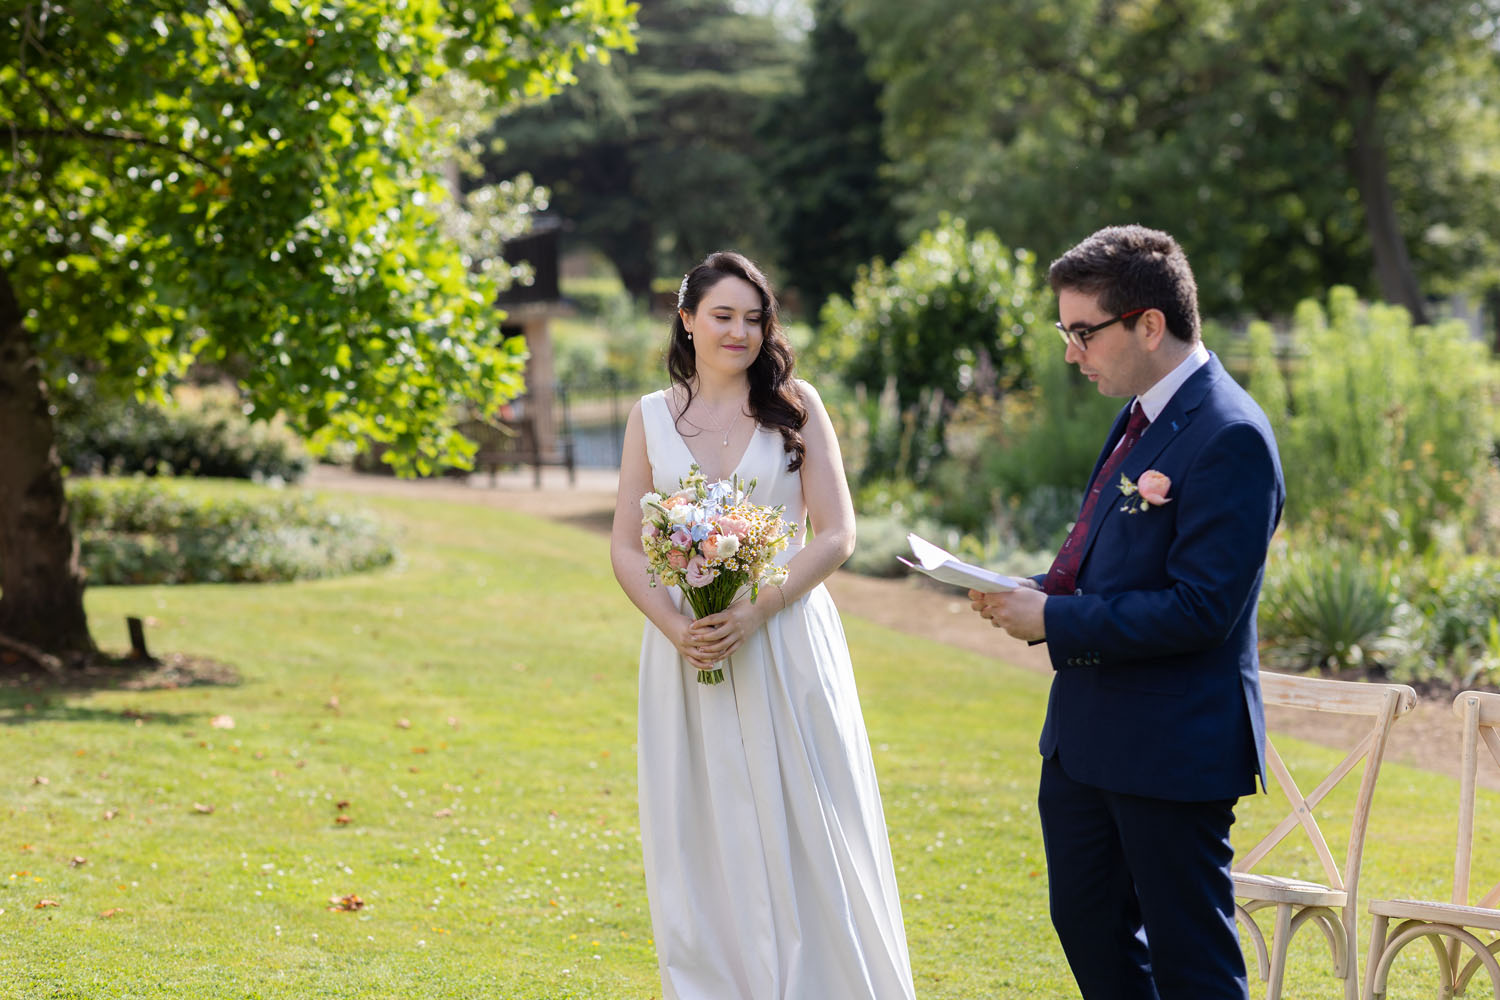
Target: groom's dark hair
[[1132, 267]]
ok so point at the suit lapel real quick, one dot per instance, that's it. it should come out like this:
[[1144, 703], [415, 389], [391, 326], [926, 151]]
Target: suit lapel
[[1163, 431]]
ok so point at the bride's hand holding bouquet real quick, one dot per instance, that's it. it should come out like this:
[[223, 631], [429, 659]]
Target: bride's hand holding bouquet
[[709, 540]]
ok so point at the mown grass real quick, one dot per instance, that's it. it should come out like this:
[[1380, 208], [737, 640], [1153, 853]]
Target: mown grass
[[474, 708]]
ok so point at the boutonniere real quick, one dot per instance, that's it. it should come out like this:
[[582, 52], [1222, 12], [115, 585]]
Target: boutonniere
[[1150, 491]]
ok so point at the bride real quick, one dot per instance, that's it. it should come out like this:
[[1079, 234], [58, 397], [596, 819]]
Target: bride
[[768, 868]]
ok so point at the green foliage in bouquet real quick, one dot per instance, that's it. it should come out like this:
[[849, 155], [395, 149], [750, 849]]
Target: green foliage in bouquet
[[148, 531]]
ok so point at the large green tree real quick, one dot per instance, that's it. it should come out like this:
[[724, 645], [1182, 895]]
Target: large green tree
[[1292, 144], [830, 203], [250, 184], [654, 158]]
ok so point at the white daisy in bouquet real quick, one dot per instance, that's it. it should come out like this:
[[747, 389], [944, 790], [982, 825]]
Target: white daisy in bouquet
[[710, 540]]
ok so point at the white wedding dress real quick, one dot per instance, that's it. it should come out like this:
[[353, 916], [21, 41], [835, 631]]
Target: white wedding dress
[[768, 868]]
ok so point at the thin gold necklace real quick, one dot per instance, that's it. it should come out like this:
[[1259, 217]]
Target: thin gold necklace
[[721, 428]]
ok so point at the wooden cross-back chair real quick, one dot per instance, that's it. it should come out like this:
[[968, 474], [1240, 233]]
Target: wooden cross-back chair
[[1332, 904], [1454, 921]]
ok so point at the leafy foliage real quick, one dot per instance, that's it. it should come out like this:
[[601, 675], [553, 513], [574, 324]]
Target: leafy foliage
[[199, 432], [1388, 428], [1292, 146], [1018, 464], [1328, 607], [253, 186], [943, 321], [654, 156], [144, 531]]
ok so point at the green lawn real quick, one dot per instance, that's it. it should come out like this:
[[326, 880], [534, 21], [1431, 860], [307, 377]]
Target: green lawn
[[475, 709]]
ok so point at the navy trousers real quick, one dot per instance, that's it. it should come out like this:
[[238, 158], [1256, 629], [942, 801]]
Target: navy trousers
[[1140, 892]]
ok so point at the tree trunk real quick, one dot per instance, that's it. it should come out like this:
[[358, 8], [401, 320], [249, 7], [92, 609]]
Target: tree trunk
[[41, 584], [1492, 310], [636, 264], [1393, 270]]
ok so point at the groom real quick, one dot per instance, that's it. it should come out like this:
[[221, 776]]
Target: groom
[[1154, 726]]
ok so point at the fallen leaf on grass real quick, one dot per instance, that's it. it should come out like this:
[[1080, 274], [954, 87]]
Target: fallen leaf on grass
[[199, 807], [345, 904], [43, 904], [341, 805], [222, 722], [39, 780], [342, 820]]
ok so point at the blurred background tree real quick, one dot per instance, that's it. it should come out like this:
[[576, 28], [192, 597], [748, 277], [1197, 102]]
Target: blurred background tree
[[1291, 145], [824, 173], [654, 157]]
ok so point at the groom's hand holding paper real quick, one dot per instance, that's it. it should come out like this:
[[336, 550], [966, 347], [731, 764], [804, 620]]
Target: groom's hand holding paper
[[943, 566], [1019, 612]]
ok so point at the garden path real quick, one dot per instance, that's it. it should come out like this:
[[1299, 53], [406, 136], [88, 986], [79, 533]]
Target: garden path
[[1426, 738]]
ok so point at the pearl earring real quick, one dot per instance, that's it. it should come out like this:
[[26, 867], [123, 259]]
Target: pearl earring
[[690, 335]]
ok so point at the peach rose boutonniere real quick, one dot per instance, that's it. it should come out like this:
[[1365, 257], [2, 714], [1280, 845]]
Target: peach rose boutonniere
[[1147, 492]]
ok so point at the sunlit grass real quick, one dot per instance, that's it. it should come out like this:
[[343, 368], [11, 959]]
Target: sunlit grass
[[472, 714]]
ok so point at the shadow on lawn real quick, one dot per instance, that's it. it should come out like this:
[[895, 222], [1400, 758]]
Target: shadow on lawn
[[43, 697], [24, 713], [601, 521]]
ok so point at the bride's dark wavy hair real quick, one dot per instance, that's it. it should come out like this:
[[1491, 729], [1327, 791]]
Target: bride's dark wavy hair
[[774, 400]]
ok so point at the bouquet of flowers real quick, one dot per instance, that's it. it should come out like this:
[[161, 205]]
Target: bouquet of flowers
[[708, 539]]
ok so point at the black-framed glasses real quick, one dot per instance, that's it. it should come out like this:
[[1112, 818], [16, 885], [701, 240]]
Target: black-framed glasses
[[1080, 338]]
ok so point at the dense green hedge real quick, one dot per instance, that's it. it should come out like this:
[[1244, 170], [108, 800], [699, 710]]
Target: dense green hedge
[[146, 531], [199, 432]]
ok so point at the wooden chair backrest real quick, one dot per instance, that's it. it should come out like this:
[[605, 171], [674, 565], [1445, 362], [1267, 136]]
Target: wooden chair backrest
[[1382, 704], [1480, 712]]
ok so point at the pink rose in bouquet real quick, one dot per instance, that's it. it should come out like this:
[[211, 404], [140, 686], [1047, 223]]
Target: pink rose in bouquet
[[698, 573], [729, 524], [710, 546]]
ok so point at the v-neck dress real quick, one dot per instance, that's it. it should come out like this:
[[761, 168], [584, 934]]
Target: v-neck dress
[[768, 867]]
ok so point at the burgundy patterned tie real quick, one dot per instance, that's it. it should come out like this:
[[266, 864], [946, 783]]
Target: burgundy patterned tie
[[1062, 578]]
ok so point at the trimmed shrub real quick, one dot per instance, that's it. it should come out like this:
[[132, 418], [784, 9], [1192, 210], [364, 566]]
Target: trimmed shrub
[[149, 531], [198, 432]]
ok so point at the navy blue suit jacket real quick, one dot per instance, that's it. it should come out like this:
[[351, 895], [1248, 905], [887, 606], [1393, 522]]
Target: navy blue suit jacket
[[1156, 689]]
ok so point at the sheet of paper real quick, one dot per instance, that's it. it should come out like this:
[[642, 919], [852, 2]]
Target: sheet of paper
[[945, 567]]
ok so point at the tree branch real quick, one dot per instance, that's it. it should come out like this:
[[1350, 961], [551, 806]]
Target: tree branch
[[46, 661], [129, 138]]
